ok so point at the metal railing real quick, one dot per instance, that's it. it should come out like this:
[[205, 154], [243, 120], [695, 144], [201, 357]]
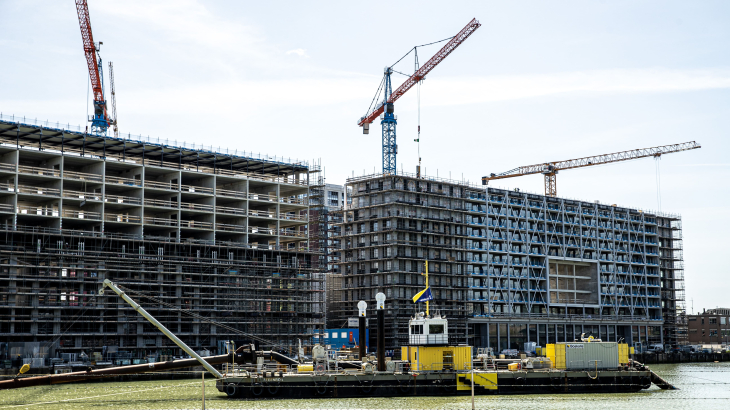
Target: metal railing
[[196, 224], [261, 230], [127, 218], [82, 176], [147, 139], [196, 207], [261, 197], [72, 213], [49, 172], [119, 199], [196, 189], [122, 181], [162, 185], [231, 193], [37, 210], [160, 221], [230, 228], [160, 203], [24, 189], [230, 211], [263, 214]]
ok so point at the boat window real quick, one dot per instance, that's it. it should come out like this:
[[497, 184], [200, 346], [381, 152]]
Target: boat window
[[435, 329]]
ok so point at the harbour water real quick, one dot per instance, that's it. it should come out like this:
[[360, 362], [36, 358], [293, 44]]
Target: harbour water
[[703, 386]]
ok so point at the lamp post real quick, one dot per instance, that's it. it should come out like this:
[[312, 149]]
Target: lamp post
[[380, 298], [362, 307]]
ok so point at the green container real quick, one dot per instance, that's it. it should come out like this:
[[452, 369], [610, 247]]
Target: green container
[[591, 355]]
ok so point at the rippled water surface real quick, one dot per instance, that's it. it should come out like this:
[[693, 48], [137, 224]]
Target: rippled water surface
[[703, 386]]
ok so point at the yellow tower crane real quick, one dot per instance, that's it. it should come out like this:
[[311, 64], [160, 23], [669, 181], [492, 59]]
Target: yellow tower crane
[[550, 169]]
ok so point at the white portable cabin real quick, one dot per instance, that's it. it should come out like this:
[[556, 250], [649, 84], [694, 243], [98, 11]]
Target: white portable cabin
[[425, 331]]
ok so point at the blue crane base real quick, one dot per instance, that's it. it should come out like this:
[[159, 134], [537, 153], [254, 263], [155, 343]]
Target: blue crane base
[[390, 149]]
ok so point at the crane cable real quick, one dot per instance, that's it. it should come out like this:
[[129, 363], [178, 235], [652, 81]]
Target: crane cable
[[658, 183], [418, 98], [202, 318]]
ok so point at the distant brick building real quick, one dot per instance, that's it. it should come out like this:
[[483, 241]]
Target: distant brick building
[[710, 327]]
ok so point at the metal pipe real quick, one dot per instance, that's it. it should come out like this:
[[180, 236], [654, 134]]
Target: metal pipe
[[20, 382], [159, 325]]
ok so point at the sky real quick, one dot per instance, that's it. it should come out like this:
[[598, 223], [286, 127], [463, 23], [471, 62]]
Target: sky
[[538, 81]]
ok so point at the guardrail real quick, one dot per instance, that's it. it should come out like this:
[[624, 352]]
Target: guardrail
[[230, 211], [37, 210], [196, 189], [82, 176], [162, 185], [122, 199], [160, 221], [24, 189], [192, 224], [49, 172], [127, 218], [71, 213], [122, 181]]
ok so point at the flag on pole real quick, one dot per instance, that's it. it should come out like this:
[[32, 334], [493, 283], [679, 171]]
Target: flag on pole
[[423, 296]]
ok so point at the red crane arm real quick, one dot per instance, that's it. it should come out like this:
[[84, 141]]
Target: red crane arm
[[90, 50], [425, 69]]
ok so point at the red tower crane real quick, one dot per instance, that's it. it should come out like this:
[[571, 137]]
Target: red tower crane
[[100, 121]]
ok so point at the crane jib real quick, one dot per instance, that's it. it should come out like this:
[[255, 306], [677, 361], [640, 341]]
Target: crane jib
[[425, 69]]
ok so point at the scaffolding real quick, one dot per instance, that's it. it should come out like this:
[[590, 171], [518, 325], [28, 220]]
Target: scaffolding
[[223, 236], [507, 266]]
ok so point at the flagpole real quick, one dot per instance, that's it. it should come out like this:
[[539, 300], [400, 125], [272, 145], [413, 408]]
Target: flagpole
[[427, 314]]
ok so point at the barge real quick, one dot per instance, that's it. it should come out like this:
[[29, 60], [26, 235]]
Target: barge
[[428, 367]]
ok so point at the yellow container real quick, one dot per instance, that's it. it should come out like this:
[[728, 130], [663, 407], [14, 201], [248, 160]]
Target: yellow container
[[556, 354], [305, 368], [550, 353], [623, 353], [429, 358], [513, 366], [631, 350]]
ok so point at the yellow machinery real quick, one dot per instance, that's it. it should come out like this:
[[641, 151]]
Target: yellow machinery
[[437, 357]]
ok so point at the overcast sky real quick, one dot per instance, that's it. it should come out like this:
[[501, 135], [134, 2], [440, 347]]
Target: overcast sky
[[539, 81]]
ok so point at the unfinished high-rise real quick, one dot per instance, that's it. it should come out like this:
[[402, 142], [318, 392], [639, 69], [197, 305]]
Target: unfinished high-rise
[[507, 267], [221, 234]]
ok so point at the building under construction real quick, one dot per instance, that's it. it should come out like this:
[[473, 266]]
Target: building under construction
[[508, 267], [222, 235]]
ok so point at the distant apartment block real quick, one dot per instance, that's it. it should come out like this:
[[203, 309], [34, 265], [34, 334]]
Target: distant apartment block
[[508, 267]]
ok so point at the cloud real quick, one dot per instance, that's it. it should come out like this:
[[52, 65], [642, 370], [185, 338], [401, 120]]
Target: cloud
[[704, 165], [460, 90], [298, 51]]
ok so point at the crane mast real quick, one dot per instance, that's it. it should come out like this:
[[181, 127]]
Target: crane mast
[[100, 120], [550, 169], [114, 100], [386, 108]]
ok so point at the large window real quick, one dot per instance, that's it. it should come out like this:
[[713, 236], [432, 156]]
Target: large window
[[518, 336], [503, 337], [435, 329]]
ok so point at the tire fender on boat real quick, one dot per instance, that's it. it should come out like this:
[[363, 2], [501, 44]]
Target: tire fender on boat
[[231, 390]]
